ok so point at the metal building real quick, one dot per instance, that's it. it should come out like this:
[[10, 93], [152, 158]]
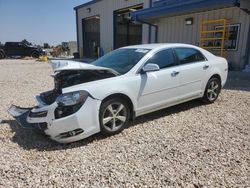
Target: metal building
[[181, 20], [104, 25], [110, 24]]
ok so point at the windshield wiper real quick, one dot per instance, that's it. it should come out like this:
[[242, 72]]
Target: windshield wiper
[[114, 71], [109, 69]]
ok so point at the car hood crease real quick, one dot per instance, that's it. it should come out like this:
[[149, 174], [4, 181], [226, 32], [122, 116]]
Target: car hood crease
[[62, 65]]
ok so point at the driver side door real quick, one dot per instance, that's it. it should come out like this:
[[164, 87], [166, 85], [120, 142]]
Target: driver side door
[[159, 89]]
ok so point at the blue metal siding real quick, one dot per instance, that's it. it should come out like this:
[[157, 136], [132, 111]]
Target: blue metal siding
[[77, 33], [247, 58], [181, 7], [172, 2], [87, 4]]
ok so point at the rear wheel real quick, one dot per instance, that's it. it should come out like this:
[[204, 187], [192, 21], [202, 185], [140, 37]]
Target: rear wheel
[[2, 56], [114, 116], [35, 54], [212, 91]]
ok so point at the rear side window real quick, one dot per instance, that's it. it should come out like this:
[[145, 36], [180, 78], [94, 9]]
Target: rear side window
[[189, 55], [164, 59]]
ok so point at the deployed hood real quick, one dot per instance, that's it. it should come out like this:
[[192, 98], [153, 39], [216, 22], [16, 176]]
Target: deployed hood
[[63, 65], [70, 73]]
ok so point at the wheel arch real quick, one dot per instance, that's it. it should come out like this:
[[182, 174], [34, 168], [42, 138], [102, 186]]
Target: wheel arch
[[215, 76], [124, 97], [34, 51], [205, 97]]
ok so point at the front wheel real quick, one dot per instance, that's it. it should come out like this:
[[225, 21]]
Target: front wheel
[[114, 116], [212, 91]]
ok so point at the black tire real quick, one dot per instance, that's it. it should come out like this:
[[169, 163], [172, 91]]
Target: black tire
[[2, 56], [212, 90], [35, 54], [117, 120]]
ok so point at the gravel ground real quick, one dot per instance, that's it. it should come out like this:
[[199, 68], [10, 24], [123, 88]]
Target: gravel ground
[[189, 145]]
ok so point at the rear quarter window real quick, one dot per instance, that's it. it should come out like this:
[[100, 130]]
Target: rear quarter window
[[189, 55]]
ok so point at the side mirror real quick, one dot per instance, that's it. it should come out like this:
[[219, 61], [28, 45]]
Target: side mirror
[[150, 68]]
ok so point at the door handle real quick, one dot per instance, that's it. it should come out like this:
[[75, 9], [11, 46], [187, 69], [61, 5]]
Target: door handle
[[175, 73], [205, 67]]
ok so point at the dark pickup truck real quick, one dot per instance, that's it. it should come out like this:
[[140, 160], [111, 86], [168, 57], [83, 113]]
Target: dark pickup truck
[[11, 49]]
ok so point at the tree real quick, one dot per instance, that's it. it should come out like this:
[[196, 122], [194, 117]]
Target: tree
[[46, 45], [26, 42]]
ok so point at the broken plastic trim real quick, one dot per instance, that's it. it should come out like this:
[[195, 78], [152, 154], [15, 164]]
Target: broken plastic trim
[[38, 114], [20, 114]]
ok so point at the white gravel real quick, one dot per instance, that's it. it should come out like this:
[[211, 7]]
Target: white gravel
[[190, 145]]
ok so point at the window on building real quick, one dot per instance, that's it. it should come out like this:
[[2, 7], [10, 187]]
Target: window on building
[[232, 43], [189, 55], [164, 59]]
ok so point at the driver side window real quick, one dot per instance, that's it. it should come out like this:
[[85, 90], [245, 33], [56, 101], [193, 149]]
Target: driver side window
[[20, 45], [163, 59]]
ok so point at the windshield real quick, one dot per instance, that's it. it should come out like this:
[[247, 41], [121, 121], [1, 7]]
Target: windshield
[[121, 60]]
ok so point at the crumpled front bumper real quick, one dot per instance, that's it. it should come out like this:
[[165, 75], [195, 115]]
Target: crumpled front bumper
[[77, 126], [21, 114]]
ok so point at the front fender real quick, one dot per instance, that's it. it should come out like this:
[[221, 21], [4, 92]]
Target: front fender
[[104, 88]]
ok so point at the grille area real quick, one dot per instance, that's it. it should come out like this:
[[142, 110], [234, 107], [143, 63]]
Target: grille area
[[38, 114], [70, 133]]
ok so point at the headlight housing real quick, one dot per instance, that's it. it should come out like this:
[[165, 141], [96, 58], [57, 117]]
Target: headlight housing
[[73, 98], [69, 103]]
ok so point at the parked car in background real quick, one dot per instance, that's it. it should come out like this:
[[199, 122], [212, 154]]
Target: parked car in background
[[120, 86], [12, 49]]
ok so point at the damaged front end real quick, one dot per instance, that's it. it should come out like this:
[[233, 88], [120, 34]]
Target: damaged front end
[[57, 114], [36, 118], [21, 115]]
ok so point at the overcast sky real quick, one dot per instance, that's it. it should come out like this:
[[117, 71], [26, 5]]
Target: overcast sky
[[38, 21]]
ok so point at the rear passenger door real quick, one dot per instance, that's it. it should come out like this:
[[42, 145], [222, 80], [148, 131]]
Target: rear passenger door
[[21, 49], [193, 70]]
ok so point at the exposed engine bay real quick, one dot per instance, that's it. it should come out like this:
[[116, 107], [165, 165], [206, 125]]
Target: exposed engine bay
[[67, 78]]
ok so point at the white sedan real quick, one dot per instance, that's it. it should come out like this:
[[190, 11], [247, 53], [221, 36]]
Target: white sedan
[[120, 86]]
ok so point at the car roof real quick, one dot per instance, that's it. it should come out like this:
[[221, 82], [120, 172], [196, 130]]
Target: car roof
[[159, 45]]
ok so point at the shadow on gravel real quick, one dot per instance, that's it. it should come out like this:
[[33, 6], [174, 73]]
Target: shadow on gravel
[[29, 140], [168, 111]]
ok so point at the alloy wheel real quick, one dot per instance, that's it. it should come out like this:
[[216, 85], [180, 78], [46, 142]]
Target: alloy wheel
[[114, 116], [213, 90]]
